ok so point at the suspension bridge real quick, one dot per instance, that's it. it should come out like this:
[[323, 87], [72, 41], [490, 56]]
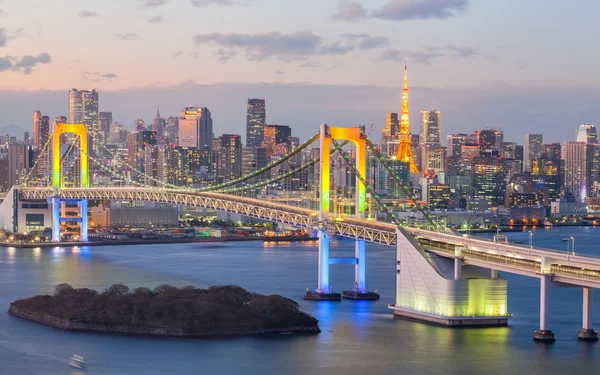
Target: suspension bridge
[[442, 276]]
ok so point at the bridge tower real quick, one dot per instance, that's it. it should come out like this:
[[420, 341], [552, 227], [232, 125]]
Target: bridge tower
[[356, 136], [57, 183]]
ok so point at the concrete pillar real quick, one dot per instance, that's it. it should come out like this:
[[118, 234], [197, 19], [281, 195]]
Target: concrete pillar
[[457, 268], [323, 281], [494, 274], [55, 201], [544, 333], [83, 207], [586, 332], [360, 271]]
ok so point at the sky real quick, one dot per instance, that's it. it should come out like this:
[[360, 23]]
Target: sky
[[523, 66]]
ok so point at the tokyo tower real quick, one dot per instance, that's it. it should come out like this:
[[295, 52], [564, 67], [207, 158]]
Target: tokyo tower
[[404, 149]]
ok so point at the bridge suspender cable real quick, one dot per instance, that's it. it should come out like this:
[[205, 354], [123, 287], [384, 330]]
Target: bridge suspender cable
[[420, 207], [37, 160], [266, 168], [370, 188], [278, 178]]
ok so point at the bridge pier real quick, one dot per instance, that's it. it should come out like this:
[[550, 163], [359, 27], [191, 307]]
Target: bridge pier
[[586, 333], [544, 334], [55, 202], [56, 219], [359, 291], [323, 292]]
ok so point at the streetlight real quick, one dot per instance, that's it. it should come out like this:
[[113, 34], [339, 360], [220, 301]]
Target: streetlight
[[572, 244], [530, 239]]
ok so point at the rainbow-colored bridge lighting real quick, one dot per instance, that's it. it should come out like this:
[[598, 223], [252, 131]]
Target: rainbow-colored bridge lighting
[[81, 131], [355, 136]]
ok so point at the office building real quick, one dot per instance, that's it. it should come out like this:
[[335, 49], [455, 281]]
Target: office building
[[106, 120], [256, 118], [454, 142], [579, 165], [430, 128], [277, 139], [587, 133], [532, 149], [433, 158], [41, 130], [83, 108], [229, 157], [488, 178], [139, 125], [172, 130], [392, 126], [195, 128], [253, 159], [136, 146]]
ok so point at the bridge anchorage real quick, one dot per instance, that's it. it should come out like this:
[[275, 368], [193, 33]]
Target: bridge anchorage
[[329, 135]]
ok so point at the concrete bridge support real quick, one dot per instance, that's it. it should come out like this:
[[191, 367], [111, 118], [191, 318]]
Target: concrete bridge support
[[323, 292], [57, 219], [586, 332], [544, 334], [359, 291]]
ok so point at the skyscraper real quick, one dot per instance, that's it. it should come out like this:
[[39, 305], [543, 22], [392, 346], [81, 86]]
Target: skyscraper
[[83, 108], [105, 119], [405, 153], [256, 118], [41, 130], [229, 157], [579, 165], [195, 128], [392, 125], [136, 145], [587, 133], [172, 130], [532, 149], [277, 139], [430, 128], [488, 177]]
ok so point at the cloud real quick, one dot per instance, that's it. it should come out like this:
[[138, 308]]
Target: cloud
[[404, 10], [280, 72], [2, 13], [127, 37], [203, 3], [156, 19], [260, 47], [149, 4], [225, 55], [3, 37], [87, 14], [26, 63], [5, 63], [177, 54], [98, 77], [365, 41], [430, 53], [288, 47], [350, 11], [310, 64]]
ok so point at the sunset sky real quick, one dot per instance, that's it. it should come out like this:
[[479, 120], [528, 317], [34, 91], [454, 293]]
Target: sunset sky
[[525, 66]]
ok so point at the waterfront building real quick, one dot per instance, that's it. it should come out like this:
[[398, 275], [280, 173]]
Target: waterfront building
[[256, 118], [579, 166]]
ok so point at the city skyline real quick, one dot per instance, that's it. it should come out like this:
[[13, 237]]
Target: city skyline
[[309, 76]]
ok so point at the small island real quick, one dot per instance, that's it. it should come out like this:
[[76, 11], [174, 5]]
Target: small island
[[166, 311]]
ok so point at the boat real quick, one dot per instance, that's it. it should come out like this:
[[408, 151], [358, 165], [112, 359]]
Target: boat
[[77, 362]]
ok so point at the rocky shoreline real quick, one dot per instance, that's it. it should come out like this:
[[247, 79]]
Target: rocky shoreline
[[142, 331]]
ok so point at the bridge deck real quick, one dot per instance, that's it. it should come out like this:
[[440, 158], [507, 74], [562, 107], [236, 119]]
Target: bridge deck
[[573, 269]]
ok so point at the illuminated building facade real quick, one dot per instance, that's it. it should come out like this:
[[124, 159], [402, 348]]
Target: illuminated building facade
[[430, 128], [229, 157], [455, 142], [532, 149], [136, 146], [405, 152], [253, 159], [195, 128], [171, 133], [83, 108], [488, 178], [256, 118], [579, 166]]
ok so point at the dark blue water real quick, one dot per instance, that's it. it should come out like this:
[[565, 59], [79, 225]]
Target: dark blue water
[[357, 337]]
